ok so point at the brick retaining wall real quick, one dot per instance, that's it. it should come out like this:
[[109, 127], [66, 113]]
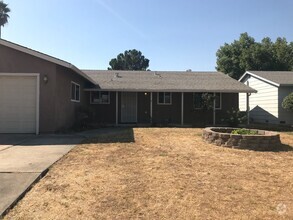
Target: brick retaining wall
[[265, 140]]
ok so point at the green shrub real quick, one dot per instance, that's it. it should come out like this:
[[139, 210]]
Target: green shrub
[[235, 117], [244, 131], [288, 102], [207, 101]]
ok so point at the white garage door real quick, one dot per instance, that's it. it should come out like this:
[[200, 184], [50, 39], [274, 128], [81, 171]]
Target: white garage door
[[18, 102]]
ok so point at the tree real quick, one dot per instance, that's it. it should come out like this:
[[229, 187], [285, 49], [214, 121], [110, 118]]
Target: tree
[[4, 10], [288, 102], [130, 60], [247, 54]]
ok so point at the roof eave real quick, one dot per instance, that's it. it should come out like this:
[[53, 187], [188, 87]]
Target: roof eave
[[284, 85], [258, 77], [82, 74], [170, 90], [45, 57]]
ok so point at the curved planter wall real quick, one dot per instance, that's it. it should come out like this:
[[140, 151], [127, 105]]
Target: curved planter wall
[[265, 140]]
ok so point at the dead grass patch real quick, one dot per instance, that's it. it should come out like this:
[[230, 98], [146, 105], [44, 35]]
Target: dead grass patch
[[162, 173]]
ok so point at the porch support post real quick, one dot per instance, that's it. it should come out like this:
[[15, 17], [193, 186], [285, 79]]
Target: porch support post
[[116, 108], [151, 107], [182, 108], [247, 107], [214, 109]]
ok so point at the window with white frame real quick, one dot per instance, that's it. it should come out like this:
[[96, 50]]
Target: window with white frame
[[100, 97], [198, 100], [164, 98], [75, 92]]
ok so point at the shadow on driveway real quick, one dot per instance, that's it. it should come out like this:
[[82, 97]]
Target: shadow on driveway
[[7, 140], [101, 135]]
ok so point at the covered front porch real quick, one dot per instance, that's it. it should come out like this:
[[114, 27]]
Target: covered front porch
[[162, 97], [158, 108]]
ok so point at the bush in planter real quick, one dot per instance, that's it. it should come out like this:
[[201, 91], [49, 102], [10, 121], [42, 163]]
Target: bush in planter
[[244, 131], [235, 117], [288, 102]]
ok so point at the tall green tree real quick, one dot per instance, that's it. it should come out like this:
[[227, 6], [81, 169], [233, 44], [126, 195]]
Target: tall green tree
[[129, 60], [4, 10], [247, 54]]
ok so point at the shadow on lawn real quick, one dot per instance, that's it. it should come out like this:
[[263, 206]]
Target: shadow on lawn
[[112, 135], [283, 148], [280, 148]]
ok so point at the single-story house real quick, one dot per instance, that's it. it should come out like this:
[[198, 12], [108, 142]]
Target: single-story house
[[172, 97], [40, 93], [266, 105]]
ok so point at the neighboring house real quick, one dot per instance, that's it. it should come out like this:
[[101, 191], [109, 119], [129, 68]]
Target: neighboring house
[[39, 93], [266, 105]]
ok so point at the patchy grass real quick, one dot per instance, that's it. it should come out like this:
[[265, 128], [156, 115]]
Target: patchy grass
[[162, 173]]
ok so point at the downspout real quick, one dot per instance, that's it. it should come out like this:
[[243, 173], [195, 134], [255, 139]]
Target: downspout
[[182, 108], [151, 107], [247, 107], [116, 108], [214, 109]]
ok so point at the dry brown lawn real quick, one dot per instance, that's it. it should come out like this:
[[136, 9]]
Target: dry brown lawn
[[166, 173]]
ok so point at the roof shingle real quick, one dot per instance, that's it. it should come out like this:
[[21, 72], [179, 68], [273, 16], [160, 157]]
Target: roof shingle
[[283, 78], [172, 81]]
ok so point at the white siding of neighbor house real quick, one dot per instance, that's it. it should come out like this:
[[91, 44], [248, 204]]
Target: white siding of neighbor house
[[284, 115], [263, 104], [242, 101]]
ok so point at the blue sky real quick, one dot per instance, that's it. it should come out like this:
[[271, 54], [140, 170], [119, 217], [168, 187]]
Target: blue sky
[[173, 34]]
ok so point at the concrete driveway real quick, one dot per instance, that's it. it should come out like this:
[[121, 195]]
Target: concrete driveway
[[12, 139], [24, 159]]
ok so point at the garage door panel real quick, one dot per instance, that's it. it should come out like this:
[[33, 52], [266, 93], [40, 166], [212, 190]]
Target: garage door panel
[[16, 127], [12, 106], [25, 115], [18, 101]]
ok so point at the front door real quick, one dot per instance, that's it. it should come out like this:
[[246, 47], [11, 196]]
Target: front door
[[128, 107]]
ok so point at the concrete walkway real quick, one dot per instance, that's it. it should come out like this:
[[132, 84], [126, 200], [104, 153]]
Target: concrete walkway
[[24, 159]]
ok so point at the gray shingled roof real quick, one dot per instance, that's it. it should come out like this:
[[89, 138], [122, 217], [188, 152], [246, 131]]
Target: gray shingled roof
[[172, 81], [283, 78]]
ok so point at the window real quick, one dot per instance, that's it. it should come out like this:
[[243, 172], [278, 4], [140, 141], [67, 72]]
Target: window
[[75, 92], [218, 100], [100, 97], [198, 100], [164, 98]]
